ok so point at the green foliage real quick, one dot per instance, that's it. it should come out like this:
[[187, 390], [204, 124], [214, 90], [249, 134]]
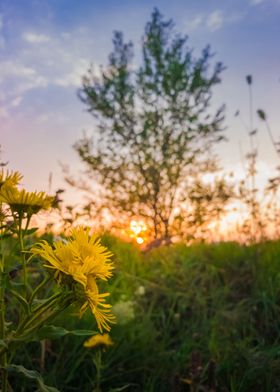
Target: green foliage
[[31, 374], [205, 316], [54, 332], [33, 293], [154, 127]]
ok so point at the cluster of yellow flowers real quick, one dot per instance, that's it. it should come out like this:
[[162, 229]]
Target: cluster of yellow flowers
[[79, 262], [84, 260], [20, 201]]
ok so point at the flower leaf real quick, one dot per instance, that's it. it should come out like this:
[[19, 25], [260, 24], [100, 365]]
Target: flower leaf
[[33, 375], [21, 300], [54, 332]]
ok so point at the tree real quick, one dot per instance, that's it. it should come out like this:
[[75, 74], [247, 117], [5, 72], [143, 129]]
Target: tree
[[154, 127]]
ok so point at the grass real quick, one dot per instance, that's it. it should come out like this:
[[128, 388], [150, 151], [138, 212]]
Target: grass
[[198, 318]]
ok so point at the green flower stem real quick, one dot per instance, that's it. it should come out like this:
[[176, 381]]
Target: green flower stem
[[27, 223], [41, 322], [2, 322], [48, 301], [38, 288], [20, 236], [37, 315], [38, 312], [97, 360], [36, 325]]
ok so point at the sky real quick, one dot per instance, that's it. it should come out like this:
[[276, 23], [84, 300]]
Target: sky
[[47, 45]]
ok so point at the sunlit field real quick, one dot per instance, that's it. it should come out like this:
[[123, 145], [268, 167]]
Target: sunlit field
[[139, 196], [200, 317]]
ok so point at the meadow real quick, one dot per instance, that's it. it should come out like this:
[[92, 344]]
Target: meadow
[[135, 292], [189, 318]]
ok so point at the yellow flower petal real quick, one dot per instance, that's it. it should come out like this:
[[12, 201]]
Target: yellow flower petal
[[85, 260], [24, 202], [99, 340], [9, 178]]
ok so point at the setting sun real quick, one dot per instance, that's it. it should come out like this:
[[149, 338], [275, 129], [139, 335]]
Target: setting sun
[[138, 231]]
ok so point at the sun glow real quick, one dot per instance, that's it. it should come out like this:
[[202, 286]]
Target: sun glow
[[139, 240], [138, 231]]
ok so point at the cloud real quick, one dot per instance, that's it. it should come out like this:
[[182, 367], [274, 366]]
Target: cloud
[[74, 77], [6, 106], [235, 17], [43, 118], [16, 101], [10, 68], [3, 112], [215, 20], [256, 2], [195, 23], [20, 78], [37, 81], [35, 38], [15, 80]]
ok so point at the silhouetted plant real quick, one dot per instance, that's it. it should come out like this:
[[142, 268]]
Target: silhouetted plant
[[272, 188], [2, 163], [253, 227], [205, 206], [153, 126]]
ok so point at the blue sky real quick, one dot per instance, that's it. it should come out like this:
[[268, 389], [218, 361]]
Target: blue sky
[[47, 45]]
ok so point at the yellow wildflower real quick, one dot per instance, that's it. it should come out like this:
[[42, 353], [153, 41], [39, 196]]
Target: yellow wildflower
[[9, 178], [84, 259], [99, 341], [25, 202], [98, 307]]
